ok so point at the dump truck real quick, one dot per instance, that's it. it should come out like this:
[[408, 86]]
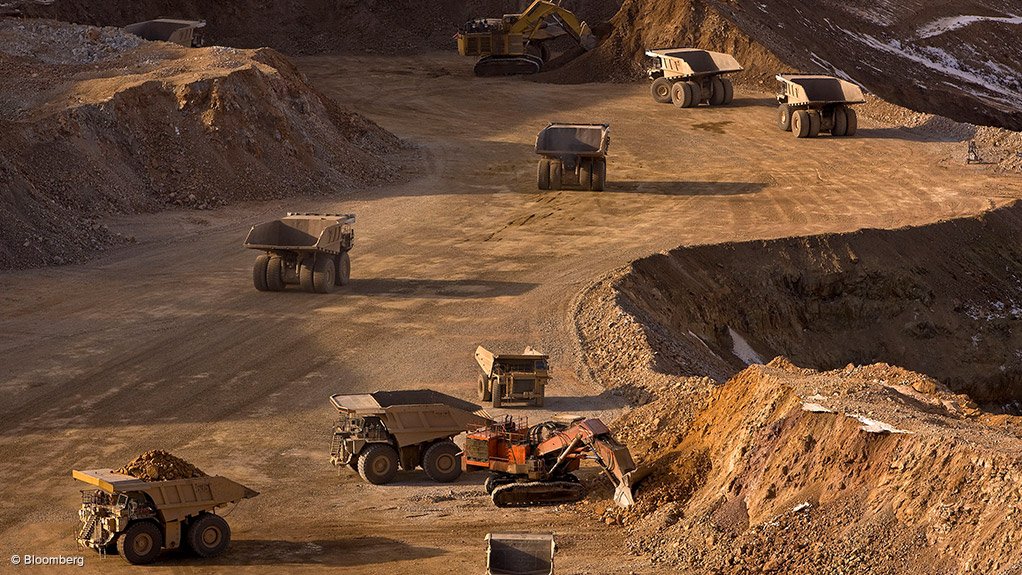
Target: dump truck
[[307, 249], [184, 32], [138, 518], [516, 43], [688, 77], [534, 464], [520, 553], [810, 104], [573, 156], [376, 433], [507, 378]]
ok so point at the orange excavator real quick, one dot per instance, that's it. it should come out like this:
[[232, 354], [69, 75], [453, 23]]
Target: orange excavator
[[534, 465], [516, 43]]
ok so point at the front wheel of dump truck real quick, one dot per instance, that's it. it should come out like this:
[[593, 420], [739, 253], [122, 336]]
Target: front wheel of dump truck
[[208, 535], [343, 269], [599, 174], [275, 274], [324, 275], [378, 464], [800, 123], [784, 118], [259, 272], [498, 394], [717, 93], [484, 388], [141, 542], [729, 91], [305, 273], [442, 461], [543, 174], [661, 90]]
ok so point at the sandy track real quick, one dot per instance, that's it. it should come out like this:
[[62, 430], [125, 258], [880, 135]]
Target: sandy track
[[165, 343]]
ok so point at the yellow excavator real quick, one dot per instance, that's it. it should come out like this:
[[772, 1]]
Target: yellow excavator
[[516, 43]]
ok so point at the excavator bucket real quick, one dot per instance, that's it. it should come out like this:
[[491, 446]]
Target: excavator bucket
[[520, 553], [624, 493]]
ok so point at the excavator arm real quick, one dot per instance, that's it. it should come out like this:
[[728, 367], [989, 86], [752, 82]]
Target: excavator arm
[[533, 17]]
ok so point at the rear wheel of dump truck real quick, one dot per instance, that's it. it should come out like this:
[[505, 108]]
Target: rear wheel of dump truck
[[305, 273], [661, 90], [717, 93], [697, 94], [800, 123], [484, 391], [141, 542], [543, 174], [378, 464], [585, 173], [343, 269], [442, 461], [275, 274], [208, 535], [259, 272], [853, 121], [729, 91], [681, 94], [497, 392], [556, 174], [600, 174], [839, 126], [815, 123], [784, 118], [324, 275]]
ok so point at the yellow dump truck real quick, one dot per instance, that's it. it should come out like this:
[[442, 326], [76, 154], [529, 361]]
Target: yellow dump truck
[[138, 518]]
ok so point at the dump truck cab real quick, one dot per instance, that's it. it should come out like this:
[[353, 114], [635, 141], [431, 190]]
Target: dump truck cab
[[378, 433]]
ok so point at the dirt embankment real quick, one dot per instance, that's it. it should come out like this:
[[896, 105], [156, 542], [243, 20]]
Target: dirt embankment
[[866, 469], [97, 121], [316, 26]]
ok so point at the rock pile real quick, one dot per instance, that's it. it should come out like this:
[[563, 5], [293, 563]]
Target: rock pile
[[160, 465]]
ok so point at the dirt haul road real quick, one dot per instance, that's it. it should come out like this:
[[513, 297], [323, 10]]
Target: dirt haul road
[[165, 344]]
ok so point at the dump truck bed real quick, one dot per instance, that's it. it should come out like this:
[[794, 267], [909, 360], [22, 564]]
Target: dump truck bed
[[819, 89], [520, 553], [414, 416], [168, 30], [588, 140], [517, 362], [689, 62], [331, 233]]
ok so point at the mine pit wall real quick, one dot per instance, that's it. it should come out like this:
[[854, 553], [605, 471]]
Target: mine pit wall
[[756, 480], [943, 299]]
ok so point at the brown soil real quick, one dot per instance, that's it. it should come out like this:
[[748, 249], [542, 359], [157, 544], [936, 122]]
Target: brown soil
[[96, 121], [158, 465]]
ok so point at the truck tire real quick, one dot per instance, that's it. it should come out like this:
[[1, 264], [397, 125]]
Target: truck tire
[[800, 123], [442, 461], [543, 174], [599, 174], [681, 94], [784, 118], [537, 401], [377, 464], [497, 392], [141, 542], [729, 91], [556, 174], [484, 391], [343, 276], [305, 273], [853, 121], [815, 123], [208, 535], [717, 93], [259, 272], [585, 173], [839, 126], [324, 275], [661, 90], [697, 94], [275, 274]]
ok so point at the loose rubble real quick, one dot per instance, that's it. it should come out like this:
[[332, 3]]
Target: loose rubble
[[159, 465]]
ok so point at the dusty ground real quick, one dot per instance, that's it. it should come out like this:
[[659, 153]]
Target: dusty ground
[[164, 343]]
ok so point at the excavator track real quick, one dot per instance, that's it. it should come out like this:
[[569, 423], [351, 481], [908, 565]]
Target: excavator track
[[538, 493], [508, 65]]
